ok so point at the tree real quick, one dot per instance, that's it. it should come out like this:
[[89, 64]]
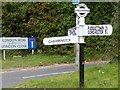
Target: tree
[[51, 19]]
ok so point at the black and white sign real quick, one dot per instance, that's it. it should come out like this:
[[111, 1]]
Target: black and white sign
[[82, 10], [16, 43], [77, 35], [72, 31], [60, 40], [13, 43], [95, 30]]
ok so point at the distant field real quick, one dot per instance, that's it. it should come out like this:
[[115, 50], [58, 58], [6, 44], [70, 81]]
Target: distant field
[[95, 77], [36, 60]]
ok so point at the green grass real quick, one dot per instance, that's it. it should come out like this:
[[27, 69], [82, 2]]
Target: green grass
[[95, 77], [35, 60]]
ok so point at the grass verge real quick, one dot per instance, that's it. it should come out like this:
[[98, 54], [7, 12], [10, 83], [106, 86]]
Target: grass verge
[[36, 60], [95, 77]]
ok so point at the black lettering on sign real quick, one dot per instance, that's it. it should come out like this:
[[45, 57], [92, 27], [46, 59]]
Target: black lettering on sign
[[49, 41], [72, 32], [21, 46], [9, 40], [22, 40], [95, 29], [106, 28], [8, 46], [59, 40]]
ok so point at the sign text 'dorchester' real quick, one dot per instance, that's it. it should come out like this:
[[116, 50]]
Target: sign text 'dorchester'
[[94, 30], [60, 40]]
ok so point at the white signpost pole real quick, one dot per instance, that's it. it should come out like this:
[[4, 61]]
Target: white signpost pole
[[32, 46], [4, 55], [81, 10], [81, 52], [82, 30], [77, 50]]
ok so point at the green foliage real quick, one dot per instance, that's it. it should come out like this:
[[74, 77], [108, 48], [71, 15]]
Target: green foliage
[[35, 60], [54, 19], [105, 47]]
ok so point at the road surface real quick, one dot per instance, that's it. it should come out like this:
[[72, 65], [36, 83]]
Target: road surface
[[12, 78]]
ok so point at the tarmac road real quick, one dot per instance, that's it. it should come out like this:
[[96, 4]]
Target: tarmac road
[[12, 78]]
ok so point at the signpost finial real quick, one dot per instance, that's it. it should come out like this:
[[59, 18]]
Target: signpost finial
[[75, 2]]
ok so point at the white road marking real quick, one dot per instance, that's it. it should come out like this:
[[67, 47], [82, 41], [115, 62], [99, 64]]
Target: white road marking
[[2, 72], [47, 74]]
